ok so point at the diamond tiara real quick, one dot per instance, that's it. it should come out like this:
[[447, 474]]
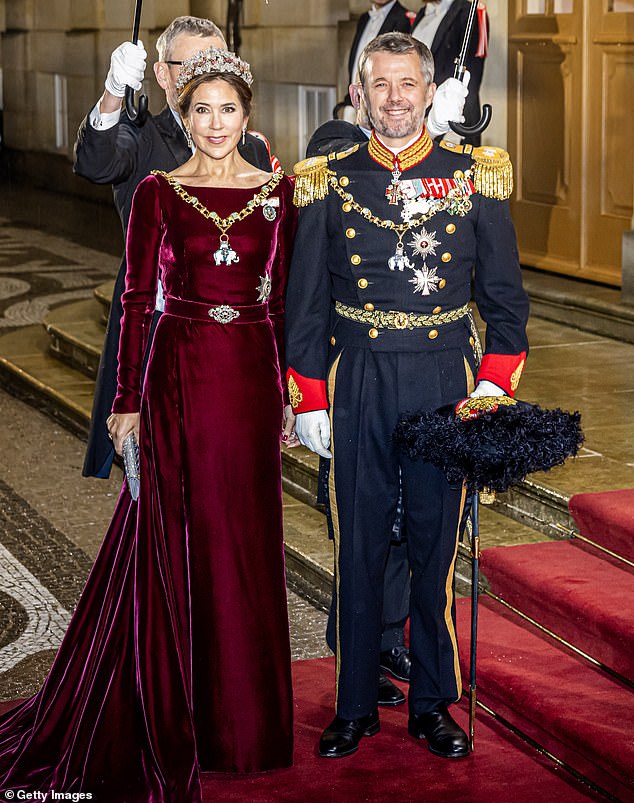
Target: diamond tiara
[[213, 60]]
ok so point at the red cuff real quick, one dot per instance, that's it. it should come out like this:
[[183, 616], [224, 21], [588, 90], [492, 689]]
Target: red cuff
[[504, 370], [306, 394]]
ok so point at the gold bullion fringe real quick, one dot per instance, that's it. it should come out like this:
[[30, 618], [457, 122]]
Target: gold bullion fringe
[[311, 180], [492, 173]]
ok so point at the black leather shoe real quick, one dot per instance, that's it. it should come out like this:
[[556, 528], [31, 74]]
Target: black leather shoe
[[341, 738], [396, 662], [444, 736], [389, 694]]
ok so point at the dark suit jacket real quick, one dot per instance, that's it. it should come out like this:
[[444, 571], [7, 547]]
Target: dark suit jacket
[[396, 20], [123, 156], [446, 47]]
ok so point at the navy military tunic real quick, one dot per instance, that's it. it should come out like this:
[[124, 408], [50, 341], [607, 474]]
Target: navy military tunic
[[368, 370]]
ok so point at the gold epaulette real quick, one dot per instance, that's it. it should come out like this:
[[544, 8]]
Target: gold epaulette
[[312, 174], [311, 180], [492, 171]]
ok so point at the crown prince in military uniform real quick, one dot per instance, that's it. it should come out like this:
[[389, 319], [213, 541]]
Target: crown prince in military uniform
[[378, 324]]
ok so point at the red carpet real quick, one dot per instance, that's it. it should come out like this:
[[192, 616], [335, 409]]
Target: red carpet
[[583, 598], [392, 766], [607, 518], [571, 708]]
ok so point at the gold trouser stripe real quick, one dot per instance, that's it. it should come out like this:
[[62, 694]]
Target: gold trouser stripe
[[449, 597], [469, 376], [334, 513]]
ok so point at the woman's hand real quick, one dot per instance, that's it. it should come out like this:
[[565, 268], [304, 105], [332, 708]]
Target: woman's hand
[[120, 425], [289, 438]]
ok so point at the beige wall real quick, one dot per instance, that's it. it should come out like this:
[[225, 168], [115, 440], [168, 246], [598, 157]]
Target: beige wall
[[289, 42]]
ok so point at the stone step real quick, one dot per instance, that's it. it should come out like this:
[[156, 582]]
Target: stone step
[[76, 335], [103, 295], [33, 374], [586, 306]]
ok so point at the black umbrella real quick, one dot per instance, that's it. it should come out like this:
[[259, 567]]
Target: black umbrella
[[136, 115], [459, 71]]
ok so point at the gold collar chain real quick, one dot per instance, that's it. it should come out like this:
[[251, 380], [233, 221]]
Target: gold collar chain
[[225, 254], [223, 223], [454, 205]]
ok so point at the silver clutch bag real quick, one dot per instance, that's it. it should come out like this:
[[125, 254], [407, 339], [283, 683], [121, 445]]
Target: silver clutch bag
[[131, 464]]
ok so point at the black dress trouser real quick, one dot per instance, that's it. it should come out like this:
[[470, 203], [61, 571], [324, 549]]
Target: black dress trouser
[[368, 391]]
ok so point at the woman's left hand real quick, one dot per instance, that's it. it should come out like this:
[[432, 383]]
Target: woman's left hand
[[289, 438], [119, 426]]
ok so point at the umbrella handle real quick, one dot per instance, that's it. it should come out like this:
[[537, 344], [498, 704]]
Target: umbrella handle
[[136, 115], [476, 128]]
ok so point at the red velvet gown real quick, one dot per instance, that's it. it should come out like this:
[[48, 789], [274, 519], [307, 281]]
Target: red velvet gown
[[177, 659]]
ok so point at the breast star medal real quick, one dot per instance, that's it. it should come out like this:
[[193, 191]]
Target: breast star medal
[[424, 244], [264, 288], [425, 280]]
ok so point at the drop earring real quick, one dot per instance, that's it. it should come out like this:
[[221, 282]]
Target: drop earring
[[244, 135], [188, 137]]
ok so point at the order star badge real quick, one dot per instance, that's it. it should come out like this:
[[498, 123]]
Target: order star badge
[[264, 288], [424, 243], [425, 281]]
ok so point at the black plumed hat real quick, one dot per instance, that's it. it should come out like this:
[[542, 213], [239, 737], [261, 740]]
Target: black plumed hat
[[490, 442]]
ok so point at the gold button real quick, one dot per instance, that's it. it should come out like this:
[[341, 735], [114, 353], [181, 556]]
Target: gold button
[[344, 181], [471, 342], [450, 228], [363, 283], [446, 257], [373, 333], [350, 233], [433, 334], [436, 310], [369, 307], [355, 259], [347, 207], [442, 283], [458, 174], [332, 341]]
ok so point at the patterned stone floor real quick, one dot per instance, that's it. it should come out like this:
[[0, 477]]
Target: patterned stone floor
[[39, 271]]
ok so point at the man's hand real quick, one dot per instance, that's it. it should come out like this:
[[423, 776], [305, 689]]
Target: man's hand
[[127, 67], [486, 388], [448, 106], [313, 431]]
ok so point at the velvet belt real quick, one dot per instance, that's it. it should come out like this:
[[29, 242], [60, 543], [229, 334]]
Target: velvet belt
[[219, 313]]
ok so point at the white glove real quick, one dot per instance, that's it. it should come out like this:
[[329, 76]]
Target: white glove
[[127, 67], [448, 105], [313, 431], [486, 388]]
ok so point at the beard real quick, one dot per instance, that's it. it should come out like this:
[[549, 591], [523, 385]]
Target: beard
[[407, 126]]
